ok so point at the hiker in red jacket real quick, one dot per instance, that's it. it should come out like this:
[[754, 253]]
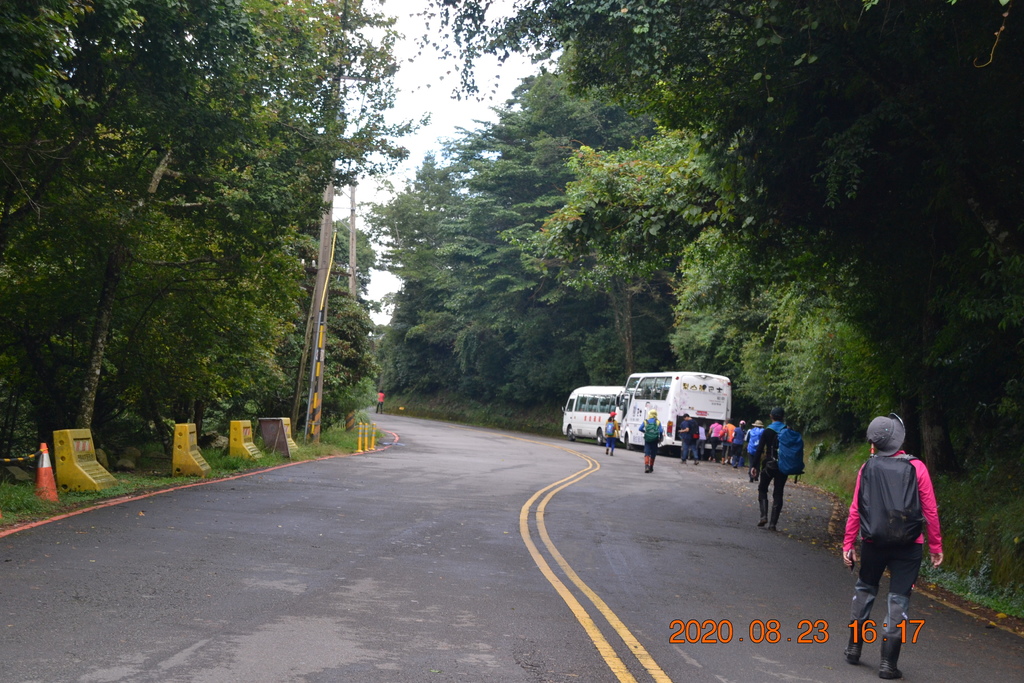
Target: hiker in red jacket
[[893, 502]]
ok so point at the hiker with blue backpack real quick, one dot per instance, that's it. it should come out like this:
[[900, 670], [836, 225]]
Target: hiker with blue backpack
[[611, 432], [779, 454], [893, 503], [736, 452], [753, 441], [653, 434]]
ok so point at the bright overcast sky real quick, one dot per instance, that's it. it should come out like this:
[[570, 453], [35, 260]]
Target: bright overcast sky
[[425, 86]]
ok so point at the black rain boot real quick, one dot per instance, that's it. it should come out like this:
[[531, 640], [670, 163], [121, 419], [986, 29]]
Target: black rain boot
[[890, 656], [764, 511], [853, 649], [776, 510]]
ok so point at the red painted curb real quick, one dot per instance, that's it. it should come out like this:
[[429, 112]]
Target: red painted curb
[[149, 494]]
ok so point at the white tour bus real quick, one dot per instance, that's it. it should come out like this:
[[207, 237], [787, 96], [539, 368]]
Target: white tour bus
[[673, 394], [587, 410]]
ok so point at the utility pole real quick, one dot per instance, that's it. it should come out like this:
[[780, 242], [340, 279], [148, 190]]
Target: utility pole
[[318, 312], [353, 284]]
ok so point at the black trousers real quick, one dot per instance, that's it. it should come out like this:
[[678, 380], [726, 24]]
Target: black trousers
[[903, 562], [772, 476]]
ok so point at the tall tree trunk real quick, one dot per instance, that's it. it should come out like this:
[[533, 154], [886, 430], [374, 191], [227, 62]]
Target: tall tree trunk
[[936, 446], [100, 334], [199, 414], [105, 311], [621, 296]]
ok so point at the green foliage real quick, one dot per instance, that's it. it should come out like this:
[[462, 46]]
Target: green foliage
[[869, 168], [479, 314], [533, 418], [159, 168]]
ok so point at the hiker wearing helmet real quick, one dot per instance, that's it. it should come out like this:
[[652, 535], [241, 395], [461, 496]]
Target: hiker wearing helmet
[[893, 503], [653, 434]]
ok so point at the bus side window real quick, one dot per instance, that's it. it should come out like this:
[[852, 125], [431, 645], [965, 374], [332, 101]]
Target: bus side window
[[569, 405], [664, 383], [646, 389]]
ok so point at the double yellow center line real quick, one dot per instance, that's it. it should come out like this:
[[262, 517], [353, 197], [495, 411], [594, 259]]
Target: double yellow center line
[[611, 658]]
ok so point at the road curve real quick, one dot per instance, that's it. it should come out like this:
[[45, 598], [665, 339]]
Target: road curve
[[414, 563]]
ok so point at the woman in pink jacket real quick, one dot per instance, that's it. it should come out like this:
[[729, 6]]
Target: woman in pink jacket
[[892, 504]]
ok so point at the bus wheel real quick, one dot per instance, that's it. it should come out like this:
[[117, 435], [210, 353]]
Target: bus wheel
[[600, 437], [570, 434]]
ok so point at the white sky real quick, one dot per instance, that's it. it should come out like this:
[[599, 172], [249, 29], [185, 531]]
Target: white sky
[[425, 87]]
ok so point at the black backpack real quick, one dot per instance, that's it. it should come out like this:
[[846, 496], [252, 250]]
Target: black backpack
[[889, 502]]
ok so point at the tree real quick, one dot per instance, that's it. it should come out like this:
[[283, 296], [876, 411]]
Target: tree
[[868, 141], [157, 166], [478, 315]]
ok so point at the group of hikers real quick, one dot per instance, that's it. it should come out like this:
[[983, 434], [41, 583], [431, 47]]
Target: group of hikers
[[729, 444], [893, 506]]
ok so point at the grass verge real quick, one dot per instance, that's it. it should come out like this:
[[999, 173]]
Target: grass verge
[[533, 419], [19, 504]]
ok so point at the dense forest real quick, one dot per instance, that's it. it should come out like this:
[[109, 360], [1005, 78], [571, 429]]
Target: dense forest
[[820, 200], [827, 210], [162, 168], [479, 315]]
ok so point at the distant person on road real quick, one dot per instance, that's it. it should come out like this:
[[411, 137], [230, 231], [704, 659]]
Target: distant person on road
[[727, 431], [766, 464], [702, 440], [715, 439], [688, 431], [653, 434], [611, 433], [380, 402], [753, 440], [736, 451], [893, 503]]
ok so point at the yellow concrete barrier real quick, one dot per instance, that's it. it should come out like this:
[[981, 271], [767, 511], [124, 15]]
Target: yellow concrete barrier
[[76, 464], [240, 443], [187, 459]]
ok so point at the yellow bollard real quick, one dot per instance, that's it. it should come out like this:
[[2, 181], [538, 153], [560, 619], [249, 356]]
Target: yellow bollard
[[187, 459], [359, 438], [240, 443], [77, 467], [373, 436]]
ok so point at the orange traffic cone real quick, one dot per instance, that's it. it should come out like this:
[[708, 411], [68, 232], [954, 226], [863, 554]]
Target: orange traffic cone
[[46, 487]]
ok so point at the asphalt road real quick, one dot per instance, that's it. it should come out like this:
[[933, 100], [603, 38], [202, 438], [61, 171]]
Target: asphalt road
[[456, 554]]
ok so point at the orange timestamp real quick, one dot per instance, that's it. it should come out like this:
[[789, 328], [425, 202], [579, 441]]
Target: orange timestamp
[[770, 631], [757, 631], [866, 631]]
